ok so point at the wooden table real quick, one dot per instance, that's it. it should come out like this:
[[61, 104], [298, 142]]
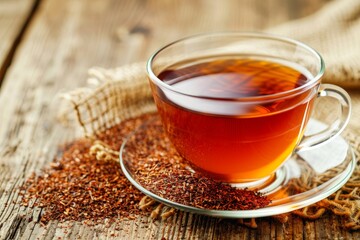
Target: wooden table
[[46, 47]]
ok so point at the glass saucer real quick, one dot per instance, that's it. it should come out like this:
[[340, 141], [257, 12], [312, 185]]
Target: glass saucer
[[305, 178]]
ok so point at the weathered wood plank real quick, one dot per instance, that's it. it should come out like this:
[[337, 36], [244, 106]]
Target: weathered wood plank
[[63, 41], [14, 16], [63, 36]]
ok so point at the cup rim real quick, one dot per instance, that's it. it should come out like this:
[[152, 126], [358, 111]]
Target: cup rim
[[257, 35]]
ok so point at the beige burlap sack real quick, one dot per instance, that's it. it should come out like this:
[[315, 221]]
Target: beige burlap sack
[[334, 31]]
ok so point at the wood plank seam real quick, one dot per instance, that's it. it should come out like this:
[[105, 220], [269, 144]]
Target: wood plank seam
[[9, 57]]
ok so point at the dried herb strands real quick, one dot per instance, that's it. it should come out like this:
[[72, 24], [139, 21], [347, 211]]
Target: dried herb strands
[[79, 187]]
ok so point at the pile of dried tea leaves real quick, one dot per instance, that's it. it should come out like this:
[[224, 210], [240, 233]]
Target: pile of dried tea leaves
[[82, 185], [79, 187]]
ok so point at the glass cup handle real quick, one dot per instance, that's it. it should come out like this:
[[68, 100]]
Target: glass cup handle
[[317, 139]]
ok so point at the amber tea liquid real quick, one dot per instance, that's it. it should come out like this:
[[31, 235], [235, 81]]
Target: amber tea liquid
[[231, 140]]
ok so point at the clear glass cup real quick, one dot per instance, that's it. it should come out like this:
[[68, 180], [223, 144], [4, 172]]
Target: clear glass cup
[[242, 139]]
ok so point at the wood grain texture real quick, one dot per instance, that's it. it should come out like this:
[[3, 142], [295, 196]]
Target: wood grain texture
[[67, 37], [14, 17]]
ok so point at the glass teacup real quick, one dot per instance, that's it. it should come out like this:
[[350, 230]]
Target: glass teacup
[[236, 105]]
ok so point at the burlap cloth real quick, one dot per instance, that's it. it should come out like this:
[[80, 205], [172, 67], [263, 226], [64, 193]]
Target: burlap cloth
[[334, 31], [121, 93]]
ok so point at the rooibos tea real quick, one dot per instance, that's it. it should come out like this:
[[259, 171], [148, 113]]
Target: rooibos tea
[[235, 142]]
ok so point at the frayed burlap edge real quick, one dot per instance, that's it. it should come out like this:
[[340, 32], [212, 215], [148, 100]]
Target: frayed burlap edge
[[116, 94]]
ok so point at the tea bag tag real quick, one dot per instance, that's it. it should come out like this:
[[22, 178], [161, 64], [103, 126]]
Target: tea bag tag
[[327, 156]]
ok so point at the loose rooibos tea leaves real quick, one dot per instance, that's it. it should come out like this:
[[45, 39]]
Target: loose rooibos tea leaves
[[80, 187]]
